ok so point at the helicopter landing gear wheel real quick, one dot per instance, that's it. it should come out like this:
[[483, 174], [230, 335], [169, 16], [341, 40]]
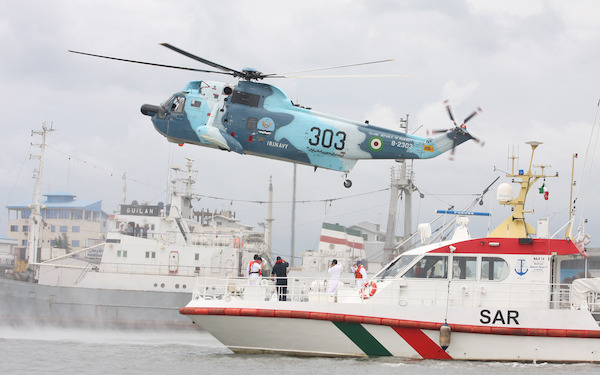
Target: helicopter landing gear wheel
[[347, 183]]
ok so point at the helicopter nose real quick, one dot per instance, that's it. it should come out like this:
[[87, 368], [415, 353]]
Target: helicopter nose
[[151, 110]]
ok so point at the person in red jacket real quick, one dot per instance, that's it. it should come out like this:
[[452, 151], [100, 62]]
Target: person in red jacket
[[360, 274]]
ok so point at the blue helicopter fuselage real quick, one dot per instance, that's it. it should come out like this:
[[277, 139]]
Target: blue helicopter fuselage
[[259, 119]]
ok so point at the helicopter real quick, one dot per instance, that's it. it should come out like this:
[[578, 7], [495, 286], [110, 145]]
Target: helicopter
[[258, 119]]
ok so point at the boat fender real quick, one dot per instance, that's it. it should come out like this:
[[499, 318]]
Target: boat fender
[[445, 332], [368, 290]]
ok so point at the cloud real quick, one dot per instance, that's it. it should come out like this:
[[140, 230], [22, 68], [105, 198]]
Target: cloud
[[531, 66]]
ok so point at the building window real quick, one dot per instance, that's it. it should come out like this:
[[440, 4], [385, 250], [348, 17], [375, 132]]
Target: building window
[[51, 214], [25, 214], [77, 214], [52, 243], [75, 243], [24, 243], [52, 228], [63, 214], [25, 228], [147, 254], [153, 254], [63, 228], [196, 256], [75, 229], [14, 228], [118, 253], [124, 253]]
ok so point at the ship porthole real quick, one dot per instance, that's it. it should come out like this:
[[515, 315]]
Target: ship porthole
[[176, 286], [155, 285], [162, 285], [184, 286]]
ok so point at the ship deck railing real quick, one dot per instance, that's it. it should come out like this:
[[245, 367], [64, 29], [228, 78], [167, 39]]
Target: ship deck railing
[[204, 237], [173, 270], [400, 292]]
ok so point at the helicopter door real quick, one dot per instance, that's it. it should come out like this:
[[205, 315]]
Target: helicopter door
[[198, 110]]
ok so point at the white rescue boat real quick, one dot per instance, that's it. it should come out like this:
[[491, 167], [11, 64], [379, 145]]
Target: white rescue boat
[[499, 298]]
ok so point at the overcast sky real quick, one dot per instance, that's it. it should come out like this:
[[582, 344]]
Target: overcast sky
[[533, 66]]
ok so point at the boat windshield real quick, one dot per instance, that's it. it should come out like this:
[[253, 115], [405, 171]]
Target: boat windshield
[[396, 267]]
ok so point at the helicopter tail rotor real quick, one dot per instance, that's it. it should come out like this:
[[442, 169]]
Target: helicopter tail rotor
[[457, 130]]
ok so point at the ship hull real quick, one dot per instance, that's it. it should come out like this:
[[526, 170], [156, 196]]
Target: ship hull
[[24, 303], [328, 332]]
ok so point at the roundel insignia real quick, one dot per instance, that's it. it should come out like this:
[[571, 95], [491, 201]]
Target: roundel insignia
[[376, 143], [266, 125]]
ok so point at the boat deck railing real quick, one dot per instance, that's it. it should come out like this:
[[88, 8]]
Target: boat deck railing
[[398, 292]]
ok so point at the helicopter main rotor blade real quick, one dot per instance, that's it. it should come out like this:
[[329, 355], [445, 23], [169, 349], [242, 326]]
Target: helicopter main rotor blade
[[342, 76], [234, 72], [149, 63], [329, 68]]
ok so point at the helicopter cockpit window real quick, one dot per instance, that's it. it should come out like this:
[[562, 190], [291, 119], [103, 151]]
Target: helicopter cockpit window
[[396, 267], [167, 103], [196, 103], [245, 98], [495, 269], [429, 267], [178, 104]]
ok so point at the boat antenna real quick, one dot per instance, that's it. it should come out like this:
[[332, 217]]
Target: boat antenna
[[585, 161], [569, 230]]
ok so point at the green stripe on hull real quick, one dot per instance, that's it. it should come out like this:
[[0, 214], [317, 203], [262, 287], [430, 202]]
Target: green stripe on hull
[[363, 339]]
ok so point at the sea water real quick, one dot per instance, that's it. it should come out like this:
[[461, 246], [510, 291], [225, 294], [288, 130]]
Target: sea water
[[34, 350]]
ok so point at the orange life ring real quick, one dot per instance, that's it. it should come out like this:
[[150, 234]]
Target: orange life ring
[[368, 290]]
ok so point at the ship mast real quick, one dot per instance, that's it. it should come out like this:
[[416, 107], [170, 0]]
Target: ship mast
[[401, 183], [515, 225], [269, 226], [35, 216]]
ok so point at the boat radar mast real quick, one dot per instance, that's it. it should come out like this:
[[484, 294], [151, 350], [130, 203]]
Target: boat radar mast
[[515, 225]]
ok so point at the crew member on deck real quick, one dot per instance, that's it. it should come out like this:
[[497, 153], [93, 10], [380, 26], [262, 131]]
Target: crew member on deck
[[360, 274], [334, 271], [280, 269], [255, 270]]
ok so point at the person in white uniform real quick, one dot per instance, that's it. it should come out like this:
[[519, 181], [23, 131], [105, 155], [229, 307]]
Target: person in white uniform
[[334, 271], [254, 271]]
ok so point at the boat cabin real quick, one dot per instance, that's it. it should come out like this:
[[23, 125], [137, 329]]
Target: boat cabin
[[511, 272]]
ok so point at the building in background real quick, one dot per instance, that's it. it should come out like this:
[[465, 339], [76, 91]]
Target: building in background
[[82, 221], [7, 254]]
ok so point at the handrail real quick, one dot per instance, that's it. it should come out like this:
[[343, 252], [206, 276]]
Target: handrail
[[398, 292]]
